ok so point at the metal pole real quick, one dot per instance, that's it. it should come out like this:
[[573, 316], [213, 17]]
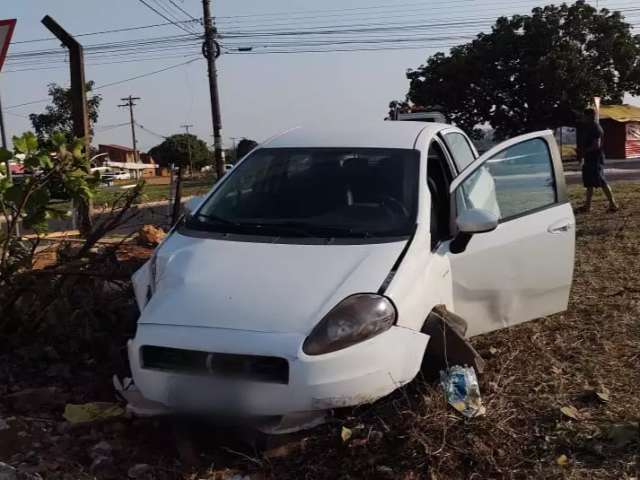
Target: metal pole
[[3, 134], [211, 52], [79, 108]]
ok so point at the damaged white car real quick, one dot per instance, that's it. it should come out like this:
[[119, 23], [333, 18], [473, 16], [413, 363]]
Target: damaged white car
[[308, 277]]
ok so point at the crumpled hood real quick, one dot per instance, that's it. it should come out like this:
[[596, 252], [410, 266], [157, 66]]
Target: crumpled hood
[[264, 287]]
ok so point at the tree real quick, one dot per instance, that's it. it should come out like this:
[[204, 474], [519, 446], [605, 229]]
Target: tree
[[245, 146], [175, 150], [64, 167], [532, 71], [57, 116]]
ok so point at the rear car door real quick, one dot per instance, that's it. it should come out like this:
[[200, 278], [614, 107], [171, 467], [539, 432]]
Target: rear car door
[[523, 269]]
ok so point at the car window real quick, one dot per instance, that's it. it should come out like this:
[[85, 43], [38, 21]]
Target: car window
[[515, 181], [460, 149], [336, 192]]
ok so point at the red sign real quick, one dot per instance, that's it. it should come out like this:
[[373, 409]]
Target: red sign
[[6, 31]]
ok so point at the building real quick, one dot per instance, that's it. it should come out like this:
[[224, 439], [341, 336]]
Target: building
[[621, 125], [119, 156]]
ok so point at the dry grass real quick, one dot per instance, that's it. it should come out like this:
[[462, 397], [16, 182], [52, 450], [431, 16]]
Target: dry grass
[[535, 370]]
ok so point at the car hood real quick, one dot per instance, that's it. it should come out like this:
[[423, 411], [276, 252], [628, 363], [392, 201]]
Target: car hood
[[266, 287]]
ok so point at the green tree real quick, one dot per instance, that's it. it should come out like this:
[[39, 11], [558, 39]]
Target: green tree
[[532, 71], [57, 116], [63, 167], [245, 146], [175, 150]]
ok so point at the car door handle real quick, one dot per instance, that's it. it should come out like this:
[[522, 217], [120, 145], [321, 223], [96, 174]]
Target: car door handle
[[560, 227]]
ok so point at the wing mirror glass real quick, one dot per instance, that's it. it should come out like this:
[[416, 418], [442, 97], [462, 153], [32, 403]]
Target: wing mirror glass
[[471, 222]]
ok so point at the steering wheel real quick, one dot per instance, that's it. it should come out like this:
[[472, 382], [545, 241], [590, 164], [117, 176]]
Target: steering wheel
[[393, 204]]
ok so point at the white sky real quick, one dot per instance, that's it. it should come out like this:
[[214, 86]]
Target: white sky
[[261, 94]]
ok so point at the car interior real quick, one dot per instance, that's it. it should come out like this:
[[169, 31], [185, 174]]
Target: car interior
[[438, 179]]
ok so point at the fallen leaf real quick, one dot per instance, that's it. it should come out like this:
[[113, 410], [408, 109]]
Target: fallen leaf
[[493, 350], [603, 394], [562, 460], [345, 434], [571, 412]]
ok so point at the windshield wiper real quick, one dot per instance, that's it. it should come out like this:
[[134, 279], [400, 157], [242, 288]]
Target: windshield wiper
[[215, 218], [312, 230]]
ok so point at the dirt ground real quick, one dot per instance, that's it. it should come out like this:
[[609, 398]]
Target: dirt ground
[[562, 397]]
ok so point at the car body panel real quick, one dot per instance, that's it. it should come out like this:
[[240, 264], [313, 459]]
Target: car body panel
[[259, 286], [359, 374], [523, 269]]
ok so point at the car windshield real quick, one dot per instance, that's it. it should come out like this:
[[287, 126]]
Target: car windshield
[[316, 192]]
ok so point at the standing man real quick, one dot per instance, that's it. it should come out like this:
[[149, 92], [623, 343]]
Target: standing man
[[592, 159]]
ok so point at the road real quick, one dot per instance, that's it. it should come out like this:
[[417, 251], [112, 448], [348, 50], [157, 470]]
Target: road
[[615, 170]]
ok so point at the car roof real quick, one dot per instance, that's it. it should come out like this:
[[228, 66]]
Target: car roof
[[380, 134]]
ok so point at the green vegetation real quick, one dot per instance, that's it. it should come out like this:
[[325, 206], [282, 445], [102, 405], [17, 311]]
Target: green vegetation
[[540, 70]]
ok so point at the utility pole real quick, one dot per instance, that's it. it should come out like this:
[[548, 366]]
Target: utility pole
[[186, 129], [130, 104], [79, 107], [211, 51]]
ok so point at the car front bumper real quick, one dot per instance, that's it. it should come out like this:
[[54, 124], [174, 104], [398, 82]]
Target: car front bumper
[[356, 375]]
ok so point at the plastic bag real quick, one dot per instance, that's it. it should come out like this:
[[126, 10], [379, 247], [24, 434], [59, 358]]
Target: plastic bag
[[461, 388]]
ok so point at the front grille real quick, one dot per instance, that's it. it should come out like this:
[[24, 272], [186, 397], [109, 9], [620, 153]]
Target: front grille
[[227, 365]]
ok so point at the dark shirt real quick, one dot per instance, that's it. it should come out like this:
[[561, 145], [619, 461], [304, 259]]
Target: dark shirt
[[593, 132]]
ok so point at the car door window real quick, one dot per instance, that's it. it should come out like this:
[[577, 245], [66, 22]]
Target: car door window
[[460, 149], [511, 183]]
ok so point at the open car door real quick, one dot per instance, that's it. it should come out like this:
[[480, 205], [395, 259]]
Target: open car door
[[524, 268]]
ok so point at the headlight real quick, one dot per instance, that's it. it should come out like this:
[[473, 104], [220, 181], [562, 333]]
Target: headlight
[[353, 320]]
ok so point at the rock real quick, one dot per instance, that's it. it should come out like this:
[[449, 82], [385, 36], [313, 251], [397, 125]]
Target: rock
[[7, 472], [35, 399], [150, 235], [102, 465], [139, 470], [101, 449], [385, 471]]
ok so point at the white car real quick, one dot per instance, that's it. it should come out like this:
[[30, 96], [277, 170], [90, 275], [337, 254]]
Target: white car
[[303, 281]]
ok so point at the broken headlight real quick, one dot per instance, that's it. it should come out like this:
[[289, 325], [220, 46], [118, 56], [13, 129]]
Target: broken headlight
[[355, 319]]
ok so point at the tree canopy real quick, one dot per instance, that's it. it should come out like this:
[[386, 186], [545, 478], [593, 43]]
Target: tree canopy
[[532, 71], [175, 149], [57, 116], [245, 146]]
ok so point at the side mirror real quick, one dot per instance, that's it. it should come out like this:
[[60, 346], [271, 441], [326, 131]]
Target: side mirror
[[477, 220], [471, 222], [192, 204]]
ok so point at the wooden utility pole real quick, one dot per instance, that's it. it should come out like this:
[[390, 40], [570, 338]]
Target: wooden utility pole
[[79, 108], [211, 51], [186, 129], [129, 102]]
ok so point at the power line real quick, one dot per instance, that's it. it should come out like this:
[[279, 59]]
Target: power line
[[104, 32], [118, 82], [165, 17], [181, 9], [151, 131]]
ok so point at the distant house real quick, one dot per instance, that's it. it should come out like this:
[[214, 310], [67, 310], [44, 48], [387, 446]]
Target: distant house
[[119, 156], [621, 125]]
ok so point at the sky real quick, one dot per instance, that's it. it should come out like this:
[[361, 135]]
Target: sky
[[261, 94]]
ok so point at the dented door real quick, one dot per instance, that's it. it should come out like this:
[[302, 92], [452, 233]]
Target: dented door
[[523, 269]]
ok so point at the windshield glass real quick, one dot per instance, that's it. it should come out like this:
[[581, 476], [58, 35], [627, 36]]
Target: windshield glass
[[319, 192]]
